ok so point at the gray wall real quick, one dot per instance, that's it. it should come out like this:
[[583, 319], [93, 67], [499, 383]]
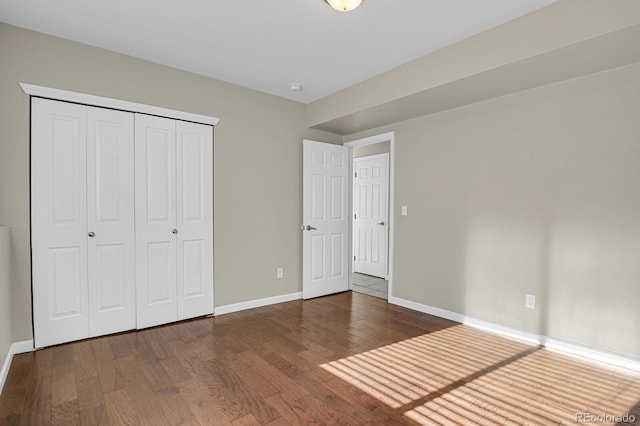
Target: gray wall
[[373, 149], [534, 192], [257, 149]]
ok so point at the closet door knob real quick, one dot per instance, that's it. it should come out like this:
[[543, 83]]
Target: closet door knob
[[174, 231], [91, 234]]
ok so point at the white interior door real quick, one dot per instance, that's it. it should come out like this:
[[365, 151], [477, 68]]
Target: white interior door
[[370, 210], [155, 186], [110, 221], [59, 222], [194, 219], [325, 218]]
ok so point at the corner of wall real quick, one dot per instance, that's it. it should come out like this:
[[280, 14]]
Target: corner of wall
[[14, 349], [6, 336]]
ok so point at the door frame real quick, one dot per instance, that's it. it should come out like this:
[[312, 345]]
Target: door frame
[[384, 137]]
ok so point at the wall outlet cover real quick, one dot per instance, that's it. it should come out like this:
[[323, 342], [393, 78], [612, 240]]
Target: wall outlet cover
[[530, 301]]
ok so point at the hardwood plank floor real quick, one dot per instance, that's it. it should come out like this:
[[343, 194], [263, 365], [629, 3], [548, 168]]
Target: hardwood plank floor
[[342, 359]]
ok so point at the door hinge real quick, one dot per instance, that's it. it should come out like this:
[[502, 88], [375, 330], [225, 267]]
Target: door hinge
[[354, 216], [354, 258], [356, 174]]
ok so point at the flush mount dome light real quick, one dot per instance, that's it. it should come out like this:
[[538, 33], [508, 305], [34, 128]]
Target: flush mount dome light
[[295, 87], [344, 5]]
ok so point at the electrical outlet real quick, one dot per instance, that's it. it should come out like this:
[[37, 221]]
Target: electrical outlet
[[403, 210], [280, 273], [530, 301]]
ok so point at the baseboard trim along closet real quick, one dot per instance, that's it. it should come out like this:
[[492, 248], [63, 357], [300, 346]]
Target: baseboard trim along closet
[[15, 349], [257, 303], [531, 338]]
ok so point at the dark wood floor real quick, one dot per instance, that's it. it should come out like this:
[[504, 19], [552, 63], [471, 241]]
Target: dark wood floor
[[343, 359]]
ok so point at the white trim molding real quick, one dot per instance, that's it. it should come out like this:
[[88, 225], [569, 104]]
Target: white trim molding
[[391, 138], [15, 349], [531, 338], [592, 354], [384, 137], [100, 101], [257, 303]]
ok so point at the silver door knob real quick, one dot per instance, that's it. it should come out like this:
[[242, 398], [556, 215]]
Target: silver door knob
[[91, 234], [381, 223], [310, 228], [174, 231]]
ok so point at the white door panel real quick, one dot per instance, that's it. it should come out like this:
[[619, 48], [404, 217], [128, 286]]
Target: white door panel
[[325, 208], [109, 270], [161, 273], [155, 207], [67, 291], [194, 160], [317, 257], [370, 208], [110, 217], [59, 222]]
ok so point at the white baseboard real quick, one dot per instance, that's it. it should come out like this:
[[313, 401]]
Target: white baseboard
[[250, 304], [592, 354], [14, 349], [512, 333], [437, 312], [532, 338]]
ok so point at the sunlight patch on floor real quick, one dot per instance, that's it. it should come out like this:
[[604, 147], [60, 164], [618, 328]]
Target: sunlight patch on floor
[[460, 376]]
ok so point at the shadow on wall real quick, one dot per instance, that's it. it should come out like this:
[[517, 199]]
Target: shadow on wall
[[580, 277], [505, 261]]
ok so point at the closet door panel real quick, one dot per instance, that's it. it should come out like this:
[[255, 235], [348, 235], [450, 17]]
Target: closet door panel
[[110, 216], [59, 222], [155, 180], [194, 219]]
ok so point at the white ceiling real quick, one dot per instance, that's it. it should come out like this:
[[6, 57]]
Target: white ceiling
[[265, 45]]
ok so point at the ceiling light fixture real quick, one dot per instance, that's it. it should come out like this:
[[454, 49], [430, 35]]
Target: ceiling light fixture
[[344, 5], [295, 87]]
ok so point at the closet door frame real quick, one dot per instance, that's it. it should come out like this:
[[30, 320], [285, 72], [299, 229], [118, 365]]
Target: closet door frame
[[36, 91], [111, 103]]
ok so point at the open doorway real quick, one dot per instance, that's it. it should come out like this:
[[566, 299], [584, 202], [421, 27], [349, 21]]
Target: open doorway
[[372, 215]]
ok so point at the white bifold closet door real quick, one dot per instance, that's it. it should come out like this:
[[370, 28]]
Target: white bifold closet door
[[110, 221], [81, 221], [174, 220]]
